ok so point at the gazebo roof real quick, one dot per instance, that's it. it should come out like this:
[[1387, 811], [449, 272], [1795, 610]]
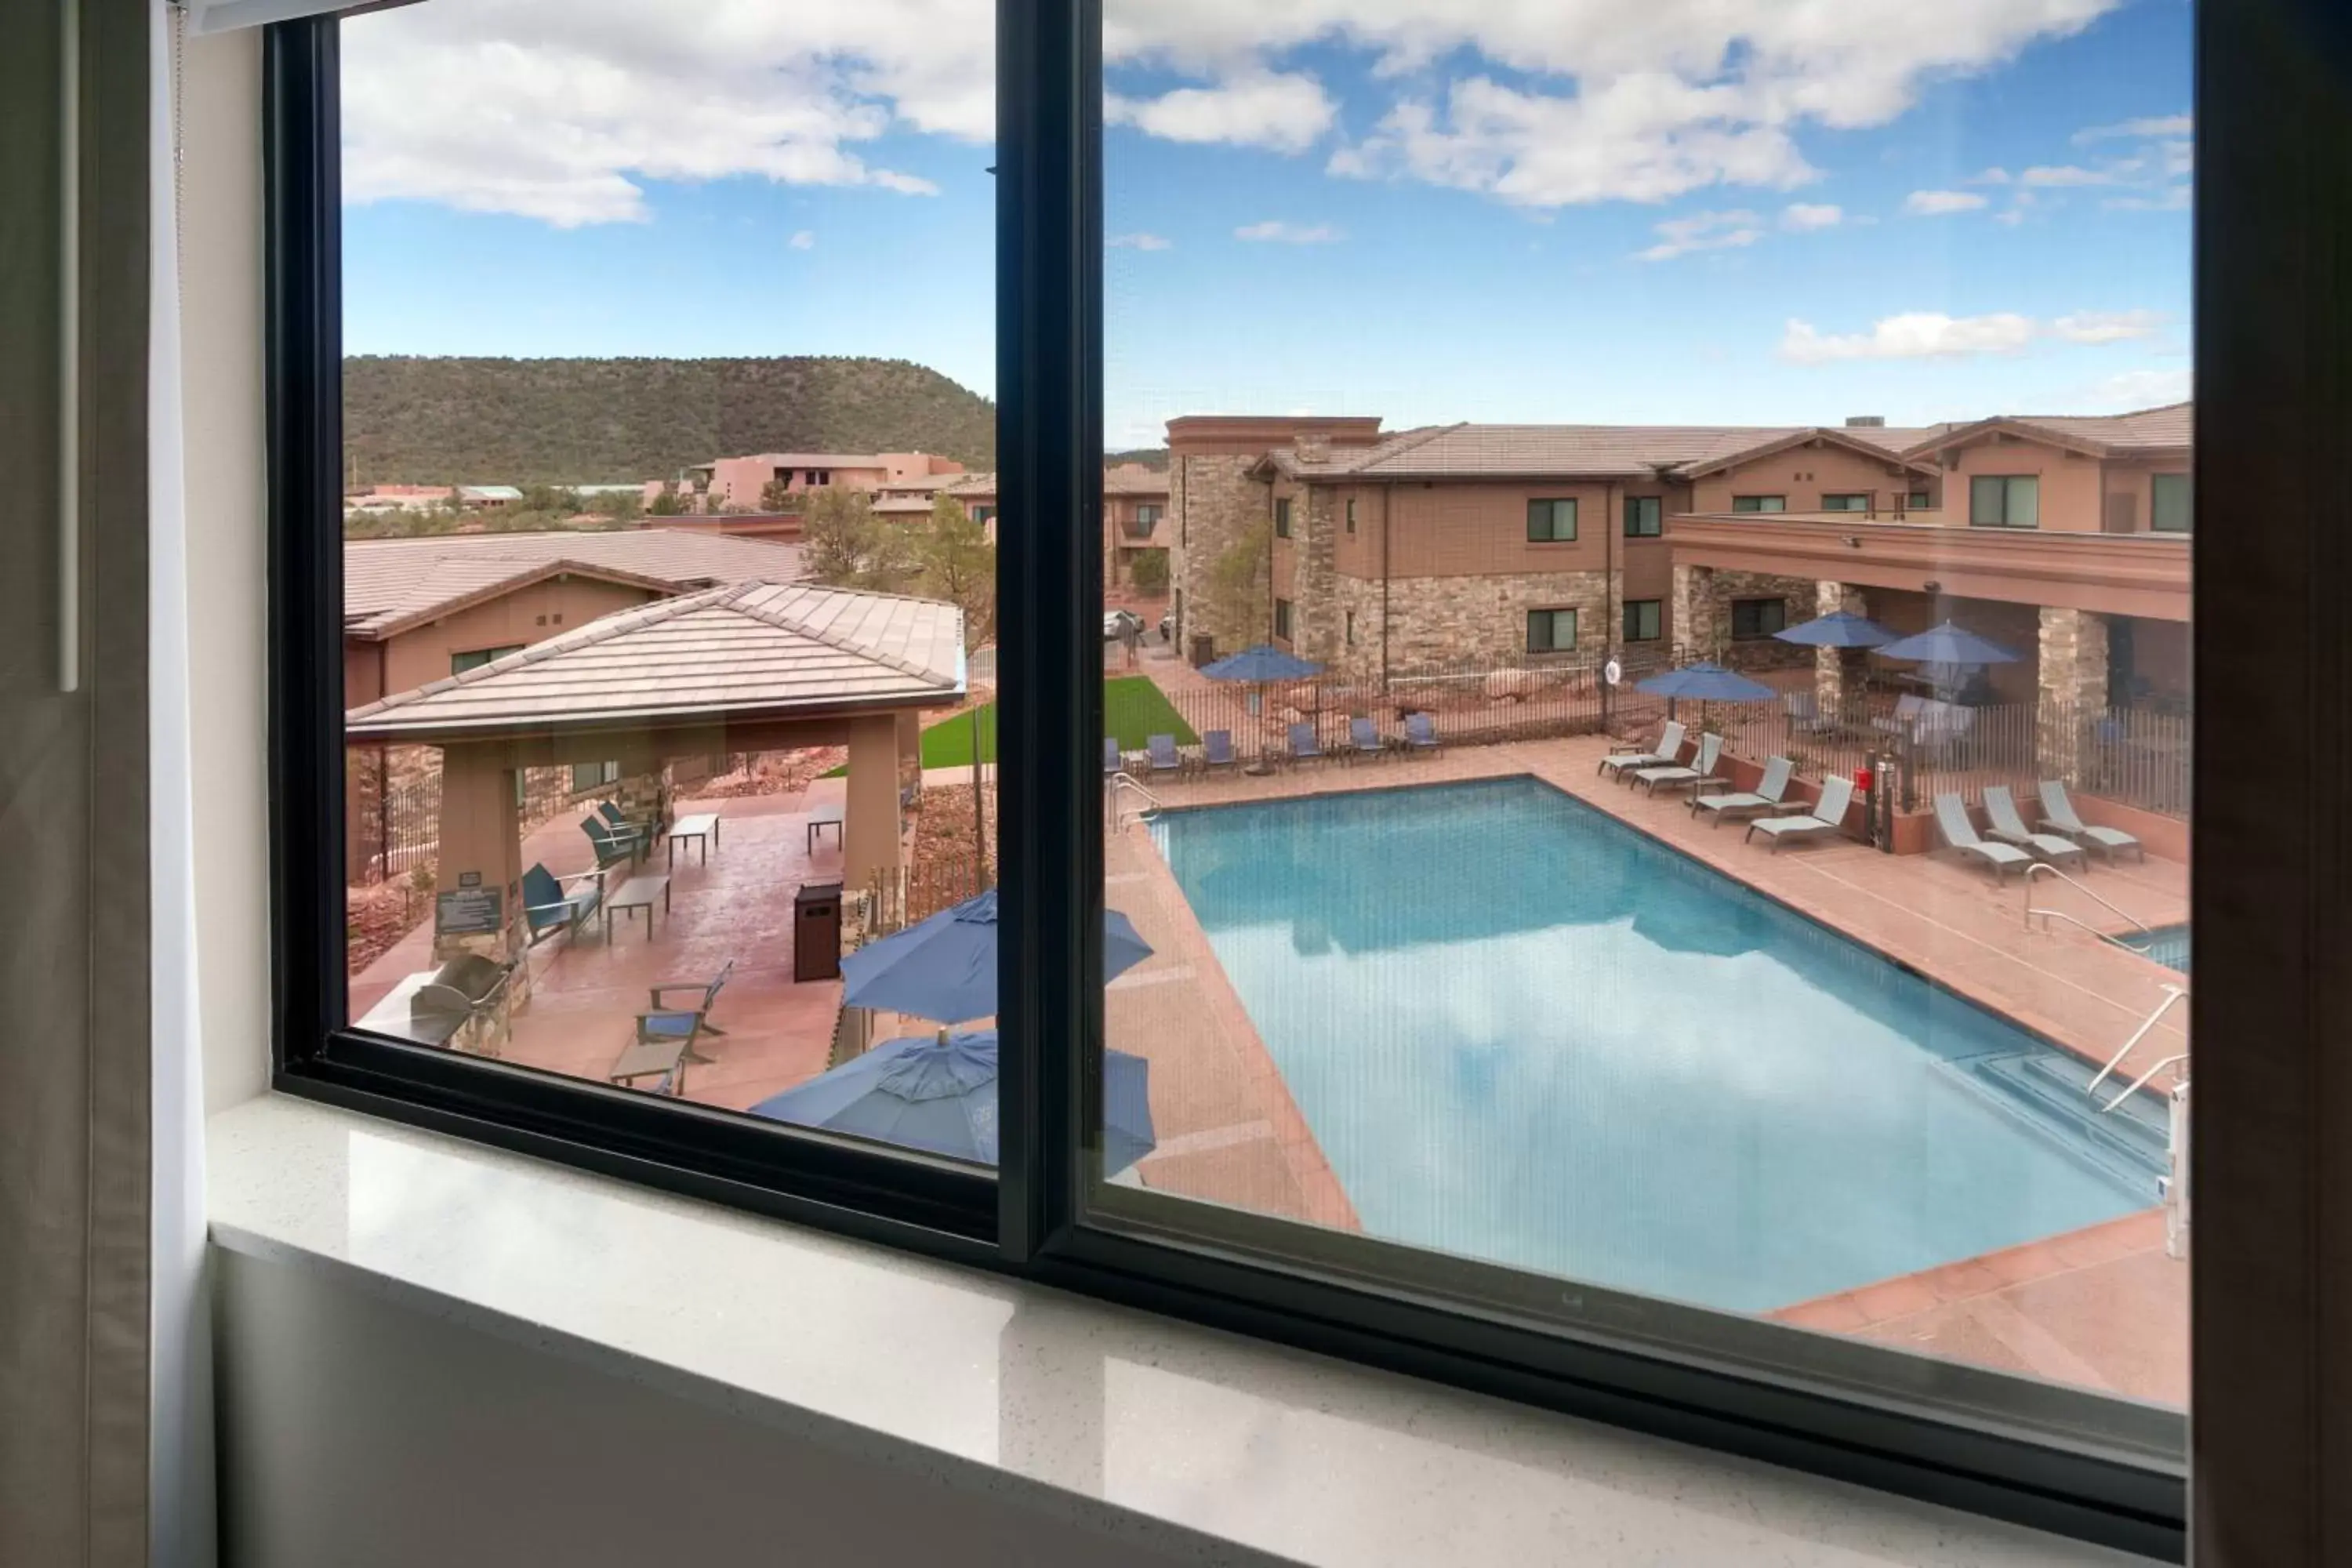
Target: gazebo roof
[[748, 650]]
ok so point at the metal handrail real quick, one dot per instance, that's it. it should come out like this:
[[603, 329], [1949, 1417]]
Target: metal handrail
[[1129, 781], [2141, 1083], [2172, 994], [2031, 912]]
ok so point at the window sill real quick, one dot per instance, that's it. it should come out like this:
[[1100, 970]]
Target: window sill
[[1199, 1444]]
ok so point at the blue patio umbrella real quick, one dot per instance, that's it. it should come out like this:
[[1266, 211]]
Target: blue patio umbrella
[[1708, 682], [939, 1096], [1839, 629], [1261, 664], [1948, 644], [945, 967]]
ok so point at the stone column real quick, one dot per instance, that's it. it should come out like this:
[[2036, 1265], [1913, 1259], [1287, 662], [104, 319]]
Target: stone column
[[870, 835], [910, 745], [364, 788], [1696, 628], [1833, 666], [2073, 686], [481, 846]]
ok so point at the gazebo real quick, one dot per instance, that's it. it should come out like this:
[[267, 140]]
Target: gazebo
[[750, 667]]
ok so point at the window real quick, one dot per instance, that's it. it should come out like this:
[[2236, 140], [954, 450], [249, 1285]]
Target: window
[[1759, 503], [1146, 515], [2004, 500], [1351, 514], [1642, 619], [587, 777], [1551, 522], [1753, 618], [1916, 500], [2168, 507], [473, 659], [1282, 619], [1350, 624], [1282, 517], [1848, 500], [1644, 516], [1551, 631]]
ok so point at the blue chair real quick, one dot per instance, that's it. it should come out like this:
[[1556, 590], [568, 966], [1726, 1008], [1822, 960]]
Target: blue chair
[[1420, 733], [1304, 746], [1217, 751], [1364, 741], [1111, 759], [1165, 757], [548, 909], [621, 823], [615, 846], [671, 1032]]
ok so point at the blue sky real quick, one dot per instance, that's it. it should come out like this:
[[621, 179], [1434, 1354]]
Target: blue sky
[[1616, 216]]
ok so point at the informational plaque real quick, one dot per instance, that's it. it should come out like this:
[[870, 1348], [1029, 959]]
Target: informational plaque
[[467, 911]]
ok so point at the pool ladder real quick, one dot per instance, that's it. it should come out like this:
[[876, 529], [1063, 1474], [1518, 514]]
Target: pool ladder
[[2174, 1186], [2047, 915], [1120, 817]]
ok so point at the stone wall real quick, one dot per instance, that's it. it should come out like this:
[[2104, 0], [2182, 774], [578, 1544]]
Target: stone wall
[[1454, 620], [1359, 597], [1316, 627], [1702, 612], [1211, 502], [2073, 670]]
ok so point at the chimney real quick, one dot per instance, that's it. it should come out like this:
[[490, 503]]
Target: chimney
[[1866, 422], [1312, 446]]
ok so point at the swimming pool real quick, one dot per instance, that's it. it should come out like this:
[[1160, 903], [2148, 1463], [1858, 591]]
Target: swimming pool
[[2169, 945], [1524, 1033]]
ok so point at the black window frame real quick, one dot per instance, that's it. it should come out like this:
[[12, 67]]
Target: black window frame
[[1645, 517], [1758, 606], [1351, 514], [1282, 617], [1282, 517], [1551, 614], [1630, 621], [1551, 515], [2272, 1281], [1754, 504]]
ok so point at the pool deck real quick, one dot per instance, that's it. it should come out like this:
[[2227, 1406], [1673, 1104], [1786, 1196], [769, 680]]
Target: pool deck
[[2103, 1307]]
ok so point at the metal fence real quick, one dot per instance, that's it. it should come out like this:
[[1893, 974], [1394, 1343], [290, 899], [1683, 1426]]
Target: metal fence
[[898, 896], [400, 832]]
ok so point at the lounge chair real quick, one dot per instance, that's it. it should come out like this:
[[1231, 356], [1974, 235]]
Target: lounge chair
[[2004, 822], [1959, 834], [1304, 746], [1765, 797], [1112, 761], [2058, 816], [1826, 816], [1217, 751], [548, 909], [622, 822], [1804, 711], [1164, 756], [615, 846], [1364, 741], [1907, 707], [663, 1022], [1669, 752], [1420, 733], [1702, 768]]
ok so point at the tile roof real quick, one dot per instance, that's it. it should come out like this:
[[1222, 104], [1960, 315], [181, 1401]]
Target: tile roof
[[1134, 480], [389, 584], [2168, 428], [1597, 451], [742, 651]]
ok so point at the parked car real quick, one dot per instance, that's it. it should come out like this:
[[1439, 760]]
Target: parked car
[[1118, 624]]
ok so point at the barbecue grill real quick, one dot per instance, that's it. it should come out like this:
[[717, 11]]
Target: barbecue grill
[[461, 992]]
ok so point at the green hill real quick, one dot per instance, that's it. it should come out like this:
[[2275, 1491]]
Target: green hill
[[522, 421]]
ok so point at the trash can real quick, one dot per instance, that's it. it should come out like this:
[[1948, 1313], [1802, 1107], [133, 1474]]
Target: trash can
[[817, 932], [1205, 649]]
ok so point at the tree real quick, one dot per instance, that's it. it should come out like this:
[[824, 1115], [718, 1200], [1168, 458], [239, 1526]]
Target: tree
[[621, 506], [843, 541], [1238, 586], [777, 495], [1150, 572], [668, 503], [958, 565]]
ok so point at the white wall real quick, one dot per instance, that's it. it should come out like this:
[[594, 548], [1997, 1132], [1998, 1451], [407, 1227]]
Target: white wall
[[221, 346], [366, 1435]]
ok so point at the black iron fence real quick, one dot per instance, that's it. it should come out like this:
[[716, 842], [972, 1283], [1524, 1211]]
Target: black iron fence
[[396, 825]]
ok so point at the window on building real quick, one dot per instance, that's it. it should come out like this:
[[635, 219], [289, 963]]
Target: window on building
[[1846, 501], [1916, 500], [474, 658], [1351, 514], [1551, 522], [1759, 503], [1350, 624], [1146, 515], [1551, 631], [1644, 516], [1753, 618], [1643, 619], [1282, 517], [1282, 618], [587, 777], [2170, 503], [2005, 501]]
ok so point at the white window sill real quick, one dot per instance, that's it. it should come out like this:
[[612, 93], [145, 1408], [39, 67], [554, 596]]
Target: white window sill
[[1155, 1431]]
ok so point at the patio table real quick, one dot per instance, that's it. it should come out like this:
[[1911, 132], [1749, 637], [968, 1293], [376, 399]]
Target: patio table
[[702, 825], [647, 1057], [637, 893], [823, 813]]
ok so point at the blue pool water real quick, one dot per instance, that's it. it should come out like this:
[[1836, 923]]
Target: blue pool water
[[2169, 945], [1525, 1034]]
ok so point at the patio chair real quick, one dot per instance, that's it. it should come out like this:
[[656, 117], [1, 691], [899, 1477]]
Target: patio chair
[[622, 822], [1764, 797], [1364, 741], [1165, 758], [1907, 710], [1700, 771], [2058, 816], [1669, 752], [1217, 751], [1420, 733], [1960, 835], [548, 909], [615, 846], [1112, 761], [1826, 818], [1804, 711], [662, 1022], [1304, 746], [2004, 822]]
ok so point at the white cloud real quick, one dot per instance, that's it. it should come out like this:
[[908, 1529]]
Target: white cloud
[[1803, 215], [1138, 242], [1286, 113], [2107, 326], [1704, 231], [2044, 175], [1996, 175], [805, 239], [2136, 130], [1282, 233], [1936, 204], [2137, 389], [1919, 334]]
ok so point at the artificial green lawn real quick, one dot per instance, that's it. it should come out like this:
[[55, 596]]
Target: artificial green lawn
[[1133, 710]]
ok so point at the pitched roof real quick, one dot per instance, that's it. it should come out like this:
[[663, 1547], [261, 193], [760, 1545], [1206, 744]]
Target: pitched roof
[[1134, 480], [1584, 451], [2170, 428], [389, 584], [742, 651]]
